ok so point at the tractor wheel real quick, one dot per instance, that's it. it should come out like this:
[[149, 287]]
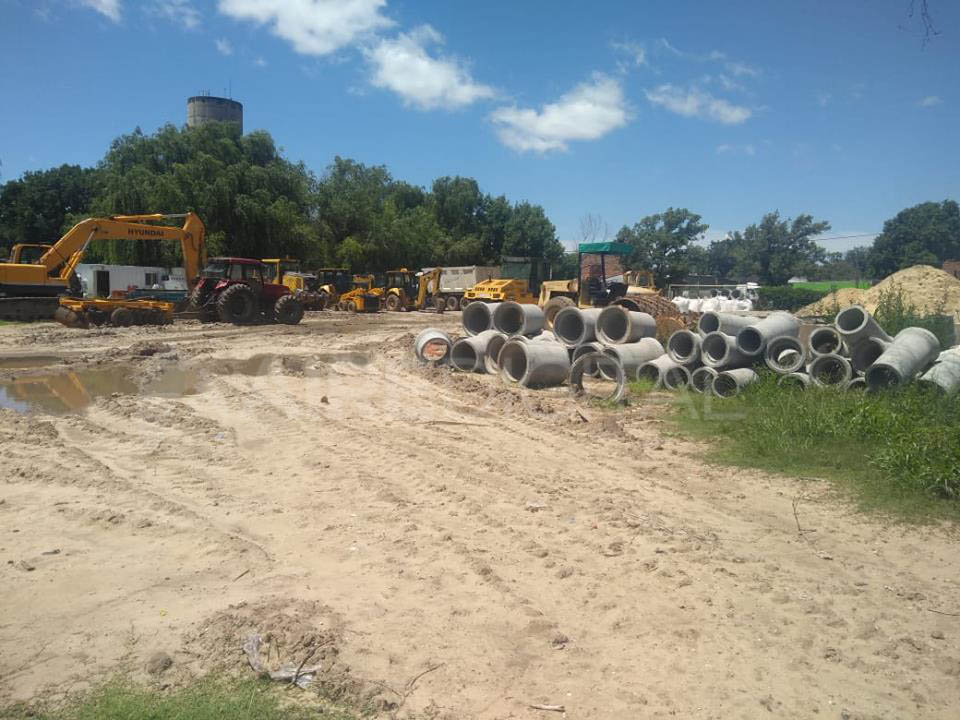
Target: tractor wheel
[[392, 303], [288, 310], [452, 303], [198, 304], [440, 304], [121, 317], [237, 304], [553, 306], [351, 306], [464, 301]]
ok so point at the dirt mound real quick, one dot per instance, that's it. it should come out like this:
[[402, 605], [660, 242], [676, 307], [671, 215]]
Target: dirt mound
[[926, 287]]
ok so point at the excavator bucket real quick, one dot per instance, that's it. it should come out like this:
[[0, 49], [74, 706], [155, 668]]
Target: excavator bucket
[[70, 318]]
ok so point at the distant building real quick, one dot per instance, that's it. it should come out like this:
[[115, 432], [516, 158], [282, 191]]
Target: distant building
[[797, 279], [203, 109], [102, 280], [952, 267]]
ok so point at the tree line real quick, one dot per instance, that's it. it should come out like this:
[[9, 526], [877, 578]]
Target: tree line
[[257, 203]]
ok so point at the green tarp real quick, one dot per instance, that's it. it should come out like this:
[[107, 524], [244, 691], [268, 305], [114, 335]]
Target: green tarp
[[610, 248]]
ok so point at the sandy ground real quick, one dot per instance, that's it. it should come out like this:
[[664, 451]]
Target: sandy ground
[[437, 541]]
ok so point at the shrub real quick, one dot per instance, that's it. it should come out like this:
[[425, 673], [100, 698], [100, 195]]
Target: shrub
[[895, 312], [787, 298]]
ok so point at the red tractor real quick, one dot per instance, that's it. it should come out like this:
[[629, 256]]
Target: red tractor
[[234, 290]]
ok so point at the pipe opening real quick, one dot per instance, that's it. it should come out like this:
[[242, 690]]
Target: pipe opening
[[791, 382], [857, 383], [605, 368], [750, 341], [682, 345], [829, 370], [882, 376], [702, 378], [715, 348], [513, 361], [725, 386], [615, 325], [463, 356], [866, 353], [784, 354], [851, 319], [569, 326], [824, 341], [510, 319], [709, 322], [676, 378], [476, 318], [649, 372], [491, 357]]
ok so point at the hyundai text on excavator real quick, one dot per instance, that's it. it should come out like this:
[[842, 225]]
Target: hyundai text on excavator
[[30, 290]]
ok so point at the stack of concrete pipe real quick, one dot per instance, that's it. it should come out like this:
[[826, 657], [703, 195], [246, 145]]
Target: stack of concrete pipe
[[721, 357]]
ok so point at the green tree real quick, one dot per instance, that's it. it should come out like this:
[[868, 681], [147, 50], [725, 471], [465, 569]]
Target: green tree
[[775, 250], [662, 243], [530, 234], [37, 207], [925, 234]]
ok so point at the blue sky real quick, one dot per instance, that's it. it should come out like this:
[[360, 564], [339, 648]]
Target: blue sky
[[619, 109]]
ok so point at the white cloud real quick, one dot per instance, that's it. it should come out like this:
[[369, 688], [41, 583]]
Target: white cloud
[[724, 148], [588, 112], [177, 11], [260, 62], [693, 102], [824, 98], [931, 101], [738, 69], [748, 149], [107, 8], [313, 27], [224, 47], [403, 65], [635, 50]]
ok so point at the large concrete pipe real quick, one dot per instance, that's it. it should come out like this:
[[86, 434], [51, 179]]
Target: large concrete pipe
[[433, 346], [945, 374], [730, 382], [753, 338], [477, 317], [855, 323], [830, 370], [617, 325], [492, 355], [727, 323], [658, 369], [589, 368], [512, 318], [573, 326], [632, 355], [719, 351], [784, 354], [534, 364], [856, 383], [825, 340], [911, 351], [468, 353], [702, 378], [684, 347], [794, 380], [578, 371], [866, 352]]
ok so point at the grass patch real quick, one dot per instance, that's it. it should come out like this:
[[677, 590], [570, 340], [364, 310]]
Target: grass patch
[[831, 285], [895, 451], [641, 387], [211, 698]]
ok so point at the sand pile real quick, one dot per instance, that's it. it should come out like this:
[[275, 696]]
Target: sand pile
[[924, 286]]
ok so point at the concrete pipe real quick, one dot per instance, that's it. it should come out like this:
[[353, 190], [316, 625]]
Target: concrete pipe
[[856, 383], [730, 382], [632, 355], [794, 380], [477, 317], [855, 323], [830, 371], [866, 352], [468, 353], [433, 346], [574, 327], [911, 351], [719, 351], [492, 355], [512, 318], [657, 370], [534, 364], [944, 376], [825, 340], [784, 355], [727, 323], [753, 338], [684, 347], [702, 378], [617, 326], [590, 368], [579, 370]]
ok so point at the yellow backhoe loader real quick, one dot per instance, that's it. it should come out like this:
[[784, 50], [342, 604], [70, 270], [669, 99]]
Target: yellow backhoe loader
[[304, 286], [31, 290], [406, 290], [365, 297]]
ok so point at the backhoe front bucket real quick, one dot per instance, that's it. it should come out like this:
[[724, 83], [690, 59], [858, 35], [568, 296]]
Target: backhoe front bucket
[[66, 316]]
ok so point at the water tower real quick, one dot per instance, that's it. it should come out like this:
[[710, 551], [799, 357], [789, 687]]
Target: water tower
[[202, 109]]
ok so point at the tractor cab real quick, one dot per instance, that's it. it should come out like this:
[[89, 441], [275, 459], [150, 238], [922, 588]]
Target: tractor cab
[[334, 280]]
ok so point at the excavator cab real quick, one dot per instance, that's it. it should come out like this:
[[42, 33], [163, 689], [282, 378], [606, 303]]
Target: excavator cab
[[28, 253], [400, 289]]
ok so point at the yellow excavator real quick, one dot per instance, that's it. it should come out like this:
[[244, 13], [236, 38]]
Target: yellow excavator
[[33, 290], [406, 290]]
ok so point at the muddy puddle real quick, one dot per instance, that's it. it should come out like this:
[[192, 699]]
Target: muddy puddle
[[23, 362], [65, 392]]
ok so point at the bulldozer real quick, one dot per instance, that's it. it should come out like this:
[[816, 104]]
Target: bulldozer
[[406, 290], [306, 288], [33, 289], [365, 297]]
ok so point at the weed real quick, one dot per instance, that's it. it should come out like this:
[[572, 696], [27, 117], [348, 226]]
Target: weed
[[895, 312]]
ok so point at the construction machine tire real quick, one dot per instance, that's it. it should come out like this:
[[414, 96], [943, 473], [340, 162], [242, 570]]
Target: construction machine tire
[[553, 306], [392, 303], [451, 302], [440, 304], [198, 304], [350, 306], [70, 318], [288, 310], [237, 304], [121, 317], [464, 301]]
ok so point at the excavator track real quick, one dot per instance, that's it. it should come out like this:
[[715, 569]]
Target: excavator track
[[28, 309]]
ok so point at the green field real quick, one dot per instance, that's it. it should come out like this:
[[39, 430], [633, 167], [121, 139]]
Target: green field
[[829, 285]]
